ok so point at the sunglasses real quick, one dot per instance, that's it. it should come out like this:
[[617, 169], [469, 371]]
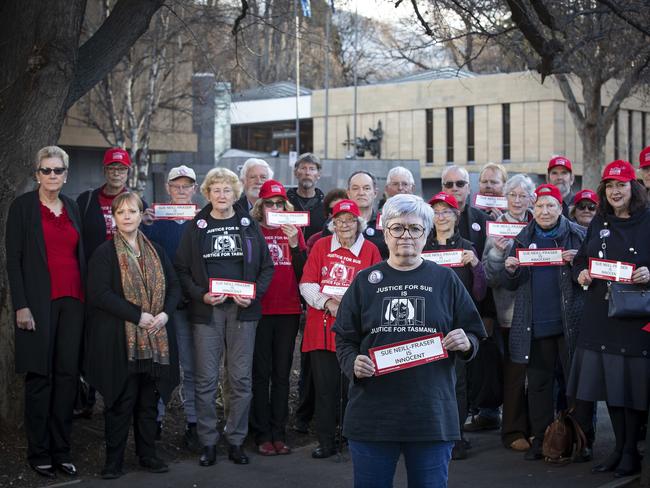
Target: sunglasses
[[459, 184], [586, 206], [47, 171], [271, 204]]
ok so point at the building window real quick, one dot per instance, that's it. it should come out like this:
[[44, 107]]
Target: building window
[[450, 134], [643, 138], [630, 147], [616, 146], [505, 123], [429, 138], [470, 134]]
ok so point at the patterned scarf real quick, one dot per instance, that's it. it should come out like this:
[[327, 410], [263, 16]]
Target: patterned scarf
[[143, 284]]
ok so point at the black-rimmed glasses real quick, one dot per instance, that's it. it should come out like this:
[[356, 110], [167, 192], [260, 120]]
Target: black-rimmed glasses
[[398, 230]]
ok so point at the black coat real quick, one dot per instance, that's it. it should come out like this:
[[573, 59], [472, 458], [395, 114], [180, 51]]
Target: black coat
[[472, 226], [29, 277], [629, 241], [570, 236], [193, 275], [105, 362]]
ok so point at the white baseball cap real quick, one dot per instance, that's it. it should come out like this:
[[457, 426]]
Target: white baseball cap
[[181, 171]]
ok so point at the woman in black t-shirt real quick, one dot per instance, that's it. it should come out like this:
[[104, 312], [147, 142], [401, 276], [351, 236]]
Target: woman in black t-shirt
[[224, 243]]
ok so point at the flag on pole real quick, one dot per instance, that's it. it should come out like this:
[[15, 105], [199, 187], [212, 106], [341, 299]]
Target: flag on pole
[[332, 5], [306, 7]]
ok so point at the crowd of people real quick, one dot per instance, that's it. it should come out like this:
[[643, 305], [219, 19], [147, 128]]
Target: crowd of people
[[470, 311]]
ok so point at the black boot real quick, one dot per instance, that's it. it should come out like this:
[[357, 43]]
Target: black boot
[[208, 456]]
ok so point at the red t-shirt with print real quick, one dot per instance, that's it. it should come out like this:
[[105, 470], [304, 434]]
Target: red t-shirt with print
[[282, 296]]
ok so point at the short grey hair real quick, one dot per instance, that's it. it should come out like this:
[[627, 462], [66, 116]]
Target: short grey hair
[[51, 152], [400, 171], [402, 204], [521, 180], [362, 225], [454, 167], [251, 163]]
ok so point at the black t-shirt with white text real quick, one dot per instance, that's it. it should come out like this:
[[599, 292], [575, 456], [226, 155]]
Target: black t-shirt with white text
[[222, 249]]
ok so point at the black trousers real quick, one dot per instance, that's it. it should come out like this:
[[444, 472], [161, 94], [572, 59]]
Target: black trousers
[[275, 339], [544, 355], [138, 400], [49, 400], [461, 393], [327, 388], [515, 409]]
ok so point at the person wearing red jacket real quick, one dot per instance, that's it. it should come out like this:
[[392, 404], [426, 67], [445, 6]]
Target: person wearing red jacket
[[330, 269]]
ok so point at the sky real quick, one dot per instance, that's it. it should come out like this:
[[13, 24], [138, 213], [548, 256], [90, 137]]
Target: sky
[[377, 9]]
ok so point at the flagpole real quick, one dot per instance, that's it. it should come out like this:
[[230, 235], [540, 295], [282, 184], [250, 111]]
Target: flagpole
[[327, 77], [295, 6], [354, 66]]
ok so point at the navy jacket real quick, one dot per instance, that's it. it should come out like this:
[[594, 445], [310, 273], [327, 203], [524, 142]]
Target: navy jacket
[[570, 236]]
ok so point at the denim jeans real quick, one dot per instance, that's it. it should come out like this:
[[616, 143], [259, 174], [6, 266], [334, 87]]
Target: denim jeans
[[374, 463], [185, 341]]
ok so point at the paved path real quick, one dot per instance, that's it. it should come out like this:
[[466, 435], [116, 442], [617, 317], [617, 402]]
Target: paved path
[[489, 465]]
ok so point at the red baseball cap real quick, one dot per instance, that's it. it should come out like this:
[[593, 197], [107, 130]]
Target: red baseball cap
[[644, 158], [346, 206], [272, 188], [559, 161], [548, 190], [619, 170], [445, 198], [117, 155], [586, 194]]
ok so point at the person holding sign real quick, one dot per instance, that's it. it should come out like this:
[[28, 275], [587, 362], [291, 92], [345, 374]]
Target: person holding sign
[[491, 182], [167, 231], [583, 210], [224, 267], [519, 191], [331, 267], [611, 360], [46, 271], [277, 330], [445, 236], [399, 330], [131, 354], [548, 304], [644, 167]]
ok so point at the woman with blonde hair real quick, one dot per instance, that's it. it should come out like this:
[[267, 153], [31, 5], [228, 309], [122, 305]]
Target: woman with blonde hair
[[222, 242]]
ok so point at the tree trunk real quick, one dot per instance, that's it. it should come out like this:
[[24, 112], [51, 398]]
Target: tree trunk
[[593, 156], [44, 71]]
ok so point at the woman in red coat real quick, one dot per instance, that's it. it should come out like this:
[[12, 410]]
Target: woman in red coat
[[331, 266]]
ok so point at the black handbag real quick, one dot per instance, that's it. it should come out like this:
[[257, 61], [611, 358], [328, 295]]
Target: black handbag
[[628, 301]]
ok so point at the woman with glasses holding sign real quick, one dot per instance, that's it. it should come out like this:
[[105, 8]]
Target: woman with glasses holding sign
[[399, 330], [224, 267], [519, 191], [332, 265], [611, 360], [548, 305], [281, 309], [45, 267], [445, 240]]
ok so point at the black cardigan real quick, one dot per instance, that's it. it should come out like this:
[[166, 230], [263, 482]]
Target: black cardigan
[[29, 277], [105, 362], [192, 273]]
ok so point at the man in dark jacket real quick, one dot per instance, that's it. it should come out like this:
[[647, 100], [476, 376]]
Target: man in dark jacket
[[306, 197], [560, 174], [253, 174], [95, 205]]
